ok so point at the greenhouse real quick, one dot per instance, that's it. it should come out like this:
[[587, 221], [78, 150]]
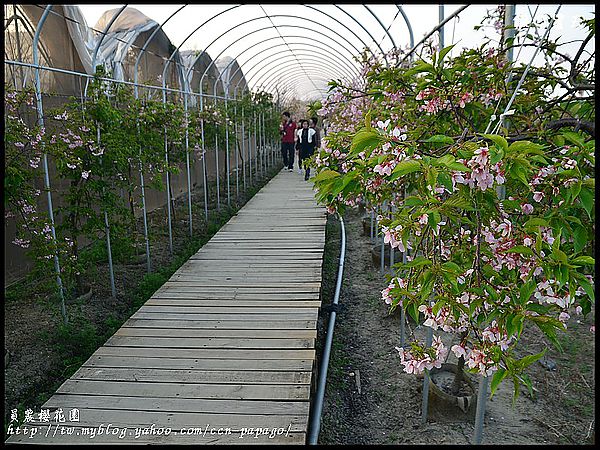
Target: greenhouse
[[299, 224]]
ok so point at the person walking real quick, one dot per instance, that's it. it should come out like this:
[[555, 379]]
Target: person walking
[[306, 145], [287, 129], [313, 124]]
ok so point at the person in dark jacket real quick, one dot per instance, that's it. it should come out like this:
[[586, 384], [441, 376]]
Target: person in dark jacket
[[287, 129], [313, 125], [305, 142]]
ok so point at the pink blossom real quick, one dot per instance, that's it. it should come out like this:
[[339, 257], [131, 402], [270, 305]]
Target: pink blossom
[[527, 208], [538, 196]]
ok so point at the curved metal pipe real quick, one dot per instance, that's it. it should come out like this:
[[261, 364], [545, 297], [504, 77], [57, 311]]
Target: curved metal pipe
[[329, 37], [312, 51], [410, 31], [283, 78], [315, 423], [291, 65], [349, 29], [307, 56], [240, 24], [141, 52], [102, 35], [342, 62], [382, 26], [366, 31], [295, 79]]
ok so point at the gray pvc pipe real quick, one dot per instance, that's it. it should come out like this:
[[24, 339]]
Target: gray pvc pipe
[[315, 423]]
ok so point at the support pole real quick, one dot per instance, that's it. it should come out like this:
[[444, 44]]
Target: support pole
[[227, 151], [217, 164], [107, 232], [40, 121], [187, 162], [204, 174], [480, 411]]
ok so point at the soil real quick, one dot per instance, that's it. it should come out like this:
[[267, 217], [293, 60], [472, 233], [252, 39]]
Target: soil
[[39, 357], [370, 400]]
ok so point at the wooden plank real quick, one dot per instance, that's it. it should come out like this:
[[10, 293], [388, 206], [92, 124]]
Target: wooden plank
[[195, 333], [192, 376], [215, 284], [207, 406], [225, 317], [206, 353], [208, 342], [292, 303], [198, 363], [233, 309], [186, 390], [271, 324]]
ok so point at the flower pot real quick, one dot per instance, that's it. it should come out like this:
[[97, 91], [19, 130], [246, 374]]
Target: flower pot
[[376, 255], [442, 405]]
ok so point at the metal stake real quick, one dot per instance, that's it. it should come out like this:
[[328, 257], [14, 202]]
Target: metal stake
[[480, 411]]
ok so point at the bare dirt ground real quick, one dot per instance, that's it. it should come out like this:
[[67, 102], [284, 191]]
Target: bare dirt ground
[[387, 410], [41, 357]]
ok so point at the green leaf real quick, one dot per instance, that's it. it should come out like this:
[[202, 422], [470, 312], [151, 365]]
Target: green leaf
[[413, 201], [368, 121], [536, 222], [579, 238], [452, 267], [586, 197], [526, 291], [498, 140], [418, 262], [326, 174], [496, 156], [443, 53], [587, 287], [364, 139], [584, 260], [458, 167], [574, 138], [530, 359], [496, 379], [440, 139], [526, 147], [405, 167]]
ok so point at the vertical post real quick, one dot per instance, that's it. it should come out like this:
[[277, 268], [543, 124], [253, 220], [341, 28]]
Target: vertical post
[[426, 380], [40, 121], [250, 177], [237, 151], [382, 246], [168, 180], [227, 150], [169, 220], [441, 30], [217, 163], [187, 161], [480, 411], [391, 248], [205, 181], [372, 226], [107, 232], [245, 157], [143, 193]]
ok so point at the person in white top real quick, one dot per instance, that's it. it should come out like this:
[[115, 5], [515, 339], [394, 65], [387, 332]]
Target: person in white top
[[305, 143]]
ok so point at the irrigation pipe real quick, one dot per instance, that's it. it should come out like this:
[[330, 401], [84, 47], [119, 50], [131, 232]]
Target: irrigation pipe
[[315, 424]]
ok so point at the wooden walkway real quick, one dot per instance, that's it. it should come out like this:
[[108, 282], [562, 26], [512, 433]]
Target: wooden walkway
[[224, 348]]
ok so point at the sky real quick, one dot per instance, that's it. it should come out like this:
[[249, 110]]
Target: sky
[[326, 46]]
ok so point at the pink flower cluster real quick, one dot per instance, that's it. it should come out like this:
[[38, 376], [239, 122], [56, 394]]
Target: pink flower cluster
[[476, 358], [392, 237], [482, 174], [415, 361]]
